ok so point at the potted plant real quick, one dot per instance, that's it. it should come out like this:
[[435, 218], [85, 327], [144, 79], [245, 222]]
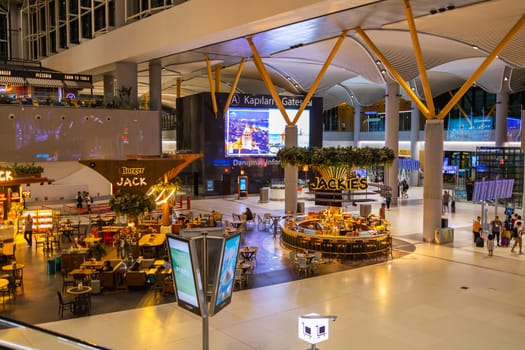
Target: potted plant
[[97, 251]]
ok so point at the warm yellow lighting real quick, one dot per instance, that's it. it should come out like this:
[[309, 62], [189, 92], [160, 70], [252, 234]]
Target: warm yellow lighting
[[166, 198]]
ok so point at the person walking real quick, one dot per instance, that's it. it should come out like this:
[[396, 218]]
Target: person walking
[[444, 202], [517, 232], [388, 199], [28, 229], [496, 229], [80, 199]]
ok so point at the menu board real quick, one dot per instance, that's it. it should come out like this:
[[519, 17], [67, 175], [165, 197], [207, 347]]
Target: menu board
[[228, 262], [188, 284]]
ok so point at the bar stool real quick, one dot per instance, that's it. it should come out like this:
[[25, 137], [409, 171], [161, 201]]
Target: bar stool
[[315, 244], [340, 249], [328, 248]]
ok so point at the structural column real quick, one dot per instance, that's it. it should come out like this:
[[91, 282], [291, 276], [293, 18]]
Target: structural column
[[109, 90], [433, 185], [415, 118], [155, 86], [357, 124], [126, 77], [291, 175], [502, 107], [392, 136]]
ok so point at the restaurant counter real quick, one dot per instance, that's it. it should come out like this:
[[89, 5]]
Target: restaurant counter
[[362, 244]]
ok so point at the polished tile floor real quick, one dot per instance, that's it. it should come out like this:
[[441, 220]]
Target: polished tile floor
[[451, 296]]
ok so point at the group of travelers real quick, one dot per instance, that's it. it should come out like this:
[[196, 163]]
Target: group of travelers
[[498, 233], [84, 197]]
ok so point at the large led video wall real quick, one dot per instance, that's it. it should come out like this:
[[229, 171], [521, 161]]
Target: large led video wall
[[40, 134], [260, 131]]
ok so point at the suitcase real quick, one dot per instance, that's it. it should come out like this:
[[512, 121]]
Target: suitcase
[[480, 242], [505, 241]]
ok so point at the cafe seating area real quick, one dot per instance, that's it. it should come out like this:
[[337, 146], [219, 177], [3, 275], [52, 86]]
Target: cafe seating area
[[133, 278]]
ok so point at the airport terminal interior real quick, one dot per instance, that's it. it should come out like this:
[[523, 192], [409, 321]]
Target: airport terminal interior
[[452, 71], [428, 296]]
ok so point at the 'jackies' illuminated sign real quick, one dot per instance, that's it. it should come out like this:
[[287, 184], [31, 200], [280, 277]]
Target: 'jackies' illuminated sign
[[353, 183], [6, 175]]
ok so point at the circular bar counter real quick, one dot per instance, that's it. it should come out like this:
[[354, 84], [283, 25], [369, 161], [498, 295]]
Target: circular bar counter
[[361, 245]]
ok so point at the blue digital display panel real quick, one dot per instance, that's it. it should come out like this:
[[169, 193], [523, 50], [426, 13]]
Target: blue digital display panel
[[224, 286]]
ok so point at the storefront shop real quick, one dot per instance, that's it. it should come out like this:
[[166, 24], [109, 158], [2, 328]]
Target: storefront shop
[[12, 197]]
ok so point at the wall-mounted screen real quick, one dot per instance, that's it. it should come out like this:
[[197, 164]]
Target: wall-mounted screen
[[494, 189], [188, 283], [260, 131], [228, 263]]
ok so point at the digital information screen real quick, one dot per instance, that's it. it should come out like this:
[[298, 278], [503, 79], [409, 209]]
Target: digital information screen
[[187, 284], [260, 131], [224, 287], [495, 189]]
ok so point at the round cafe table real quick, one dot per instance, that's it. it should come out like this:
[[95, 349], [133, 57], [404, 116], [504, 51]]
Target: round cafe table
[[82, 299], [13, 268], [17, 271]]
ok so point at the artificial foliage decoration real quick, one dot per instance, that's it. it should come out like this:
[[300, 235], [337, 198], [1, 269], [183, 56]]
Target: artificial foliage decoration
[[132, 205], [23, 169], [326, 157]]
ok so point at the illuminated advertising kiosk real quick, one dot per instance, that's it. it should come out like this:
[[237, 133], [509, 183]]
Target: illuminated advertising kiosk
[[242, 187], [199, 261], [186, 274], [222, 294]]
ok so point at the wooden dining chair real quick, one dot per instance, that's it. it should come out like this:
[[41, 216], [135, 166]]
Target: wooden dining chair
[[64, 304], [67, 281]]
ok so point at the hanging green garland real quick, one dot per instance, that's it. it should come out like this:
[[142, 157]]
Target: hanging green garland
[[336, 156]]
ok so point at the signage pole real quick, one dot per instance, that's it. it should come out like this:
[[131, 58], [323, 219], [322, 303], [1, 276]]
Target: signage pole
[[205, 316]]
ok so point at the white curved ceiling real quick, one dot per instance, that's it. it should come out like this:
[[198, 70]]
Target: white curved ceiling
[[454, 41]]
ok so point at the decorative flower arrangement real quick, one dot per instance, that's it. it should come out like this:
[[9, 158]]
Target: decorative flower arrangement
[[350, 157], [132, 205]]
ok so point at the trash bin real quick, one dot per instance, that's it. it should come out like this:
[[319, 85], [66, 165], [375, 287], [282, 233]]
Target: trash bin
[[300, 207], [58, 263], [264, 194], [444, 222], [51, 266], [95, 285], [365, 210]]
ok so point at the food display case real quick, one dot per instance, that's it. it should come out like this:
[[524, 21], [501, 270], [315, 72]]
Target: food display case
[[42, 219]]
